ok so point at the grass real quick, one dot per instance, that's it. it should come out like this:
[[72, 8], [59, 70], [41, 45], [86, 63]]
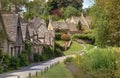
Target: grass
[[74, 48], [58, 71], [59, 42], [89, 46]]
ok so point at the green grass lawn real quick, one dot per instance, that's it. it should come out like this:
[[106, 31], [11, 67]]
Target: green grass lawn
[[58, 71], [74, 48]]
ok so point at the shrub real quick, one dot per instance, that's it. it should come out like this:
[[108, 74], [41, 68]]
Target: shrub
[[65, 37], [83, 36], [58, 50], [1, 69], [58, 36], [56, 12], [47, 54], [14, 63], [37, 57], [68, 60], [23, 59], [100, 63], [6, 62], [54, 17]]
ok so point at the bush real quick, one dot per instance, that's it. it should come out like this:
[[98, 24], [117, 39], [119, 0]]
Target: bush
[[1, 69], [55, 17], [36, 57], [6, 62], [65, 37], [68, 60], [58, 50], [23, 59], [58, 36], [14, 63], [83, 36], [100, 63]]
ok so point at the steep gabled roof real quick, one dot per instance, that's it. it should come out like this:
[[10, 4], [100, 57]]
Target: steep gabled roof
[[72, 27], [37, 22], [39, 26], [10, 23], [19, 36], [3, 33], [59, 25]]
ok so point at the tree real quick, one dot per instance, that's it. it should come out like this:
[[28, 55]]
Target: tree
[[7, 3], [36, 8], [56, 4], [70, 11], [105, 20]]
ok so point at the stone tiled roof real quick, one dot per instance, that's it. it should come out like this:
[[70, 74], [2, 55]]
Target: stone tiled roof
[[42, 30], [30, 29], [59, 25], [37, 22], [10, 23], [49, 37], [72, 27], [39, 26]]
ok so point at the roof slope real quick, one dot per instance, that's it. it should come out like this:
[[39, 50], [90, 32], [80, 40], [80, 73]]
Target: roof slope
[[10, 23]]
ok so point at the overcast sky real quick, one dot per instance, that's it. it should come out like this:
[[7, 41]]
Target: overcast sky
[[87, 3]]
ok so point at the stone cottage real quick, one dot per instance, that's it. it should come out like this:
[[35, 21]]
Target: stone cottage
[[63, 27], [12, 27], [44, 35]]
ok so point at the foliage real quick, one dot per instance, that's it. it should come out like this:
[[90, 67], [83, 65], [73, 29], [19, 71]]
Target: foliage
[[35, 8], [54, 17], [23, 59], [105, 20], [6, 59], [14, 63], [83, 36], [6, 62], [70, 11], [73, 49], [65, 37], [48, 53], [99, 63], [37, 57], [58, 71], [58, 50], [56, 12], [58, 36], [57, 4], [68, 60], [28, 51], [6, 4]]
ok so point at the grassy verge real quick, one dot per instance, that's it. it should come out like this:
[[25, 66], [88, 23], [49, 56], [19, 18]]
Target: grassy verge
[[89, 46], [58, 71], [74, 48]]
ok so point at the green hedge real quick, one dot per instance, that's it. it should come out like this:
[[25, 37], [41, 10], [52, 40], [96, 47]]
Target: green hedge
[[58, 36], [83, 36]]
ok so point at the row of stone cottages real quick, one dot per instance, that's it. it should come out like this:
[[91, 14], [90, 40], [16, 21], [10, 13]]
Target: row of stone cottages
[[14, 31]]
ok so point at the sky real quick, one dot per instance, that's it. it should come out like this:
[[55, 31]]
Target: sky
[[87, 3]]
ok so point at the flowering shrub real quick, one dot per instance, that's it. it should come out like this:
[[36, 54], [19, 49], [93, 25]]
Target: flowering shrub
[[56, 12], [65, 37]]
